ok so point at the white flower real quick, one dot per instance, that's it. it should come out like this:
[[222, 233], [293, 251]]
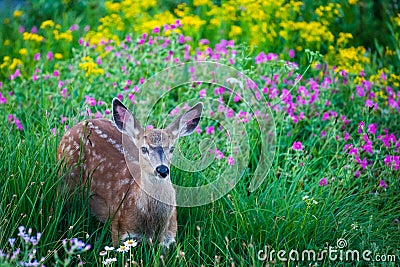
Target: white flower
[[305, 197], [123, 249], [107, 248], [109, 260], [130, 243], [103, 253]]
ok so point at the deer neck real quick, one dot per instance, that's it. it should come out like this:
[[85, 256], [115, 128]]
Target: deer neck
[[156, 190]]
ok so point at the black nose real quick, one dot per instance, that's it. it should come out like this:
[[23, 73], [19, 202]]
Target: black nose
[[162, 170]]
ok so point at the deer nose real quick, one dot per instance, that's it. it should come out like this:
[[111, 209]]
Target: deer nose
[[162, 170]]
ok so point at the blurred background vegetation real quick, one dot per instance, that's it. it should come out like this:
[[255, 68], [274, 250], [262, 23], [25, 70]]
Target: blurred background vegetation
[[350, 33]]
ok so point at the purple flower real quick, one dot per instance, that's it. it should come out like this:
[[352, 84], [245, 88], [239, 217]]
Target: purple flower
[[74, 27], [360, 127], [202, 93], [297, 146], [175, 111], [230, 160], [372, 128], [323, 182], [291, 53], [49, 55], [236, 98], [383, 184], [36, 57], [11, 241], [325, 116], [3, 100], [346, 136], [210, 130], [219, 154]]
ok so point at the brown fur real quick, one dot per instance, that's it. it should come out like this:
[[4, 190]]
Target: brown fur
[[94, 147], [131, 187]]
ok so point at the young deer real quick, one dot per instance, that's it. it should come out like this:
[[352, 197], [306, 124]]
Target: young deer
[[125, 166]]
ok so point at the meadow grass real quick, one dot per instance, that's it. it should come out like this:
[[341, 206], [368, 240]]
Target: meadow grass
[[334, 175]]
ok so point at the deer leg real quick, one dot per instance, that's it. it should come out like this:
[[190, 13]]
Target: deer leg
[[115, 232], [168, 237]]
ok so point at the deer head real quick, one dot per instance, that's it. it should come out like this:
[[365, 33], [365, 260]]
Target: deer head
[[155, 145]]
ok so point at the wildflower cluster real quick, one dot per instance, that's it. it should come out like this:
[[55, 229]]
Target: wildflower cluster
[[124, 253], [22, 251]]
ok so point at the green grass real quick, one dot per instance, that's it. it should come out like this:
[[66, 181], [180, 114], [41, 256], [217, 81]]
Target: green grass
[[233, 229]]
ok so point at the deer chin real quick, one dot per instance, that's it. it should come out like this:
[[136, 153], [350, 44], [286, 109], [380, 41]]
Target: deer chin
[[159, 177]]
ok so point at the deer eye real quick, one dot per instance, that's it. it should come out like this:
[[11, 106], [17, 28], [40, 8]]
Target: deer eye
[[144, 150], [171, 150]]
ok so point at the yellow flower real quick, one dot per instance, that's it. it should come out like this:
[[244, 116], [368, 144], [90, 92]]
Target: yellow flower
[[397, 20], [28, 36], [67, 36], [352, 2], [58, 56], [17, 13], [201, 2], [235, 31], [90, 67], [6, 42], [15, 63], [112, 7], [23, 52], [47, 23], [215, 22]]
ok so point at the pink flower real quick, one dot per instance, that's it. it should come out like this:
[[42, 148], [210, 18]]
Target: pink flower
[[346, 136], [297, 146], [323, 182], [49, 55], [230, 160], [325, 116], [291, 53], [56, 73], [175, 111], [202, 93], [382, 184], [372, 128], [74, 27], [230, 113], [210, 130], [236, 98], [36, 57], [360, 127], [219, 154]]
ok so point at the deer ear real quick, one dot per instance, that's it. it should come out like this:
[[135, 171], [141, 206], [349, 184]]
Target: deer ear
[[124, 120], [187, 122]]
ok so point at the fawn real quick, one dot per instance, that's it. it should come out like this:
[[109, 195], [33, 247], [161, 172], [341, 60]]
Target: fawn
[[119, 159]]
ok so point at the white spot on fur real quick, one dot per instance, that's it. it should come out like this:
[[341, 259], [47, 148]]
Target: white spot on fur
[[111, 141]]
